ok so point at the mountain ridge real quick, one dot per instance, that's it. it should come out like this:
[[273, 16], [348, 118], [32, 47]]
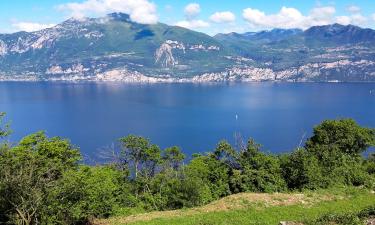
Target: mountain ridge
[[117, 49]]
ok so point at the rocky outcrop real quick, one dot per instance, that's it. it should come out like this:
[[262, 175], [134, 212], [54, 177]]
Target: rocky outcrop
[[290, 223], [370, 221], [164, 56], [3, 48]]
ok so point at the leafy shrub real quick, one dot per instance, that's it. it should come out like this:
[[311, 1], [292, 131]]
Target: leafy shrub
[[343, 136], [347, 219], [212, 173], [367, 212], [29, 171], [85, 193], [261, 172], [302, 171], [332, 156], [369, 164]]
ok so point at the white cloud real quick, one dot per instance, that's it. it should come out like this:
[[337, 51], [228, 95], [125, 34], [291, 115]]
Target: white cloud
[[293, 18], [141, 11], [373, 16], [344, 20], [29, 26], [193, 24], [320, 16], [223, 17], [192, 10], [353, 9], [285, 18], [355, 19], [358, 19]]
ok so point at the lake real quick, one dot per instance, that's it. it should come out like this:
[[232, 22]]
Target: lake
[[192, 116]]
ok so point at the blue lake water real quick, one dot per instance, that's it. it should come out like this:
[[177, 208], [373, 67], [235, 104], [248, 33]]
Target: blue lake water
[[192, 116]]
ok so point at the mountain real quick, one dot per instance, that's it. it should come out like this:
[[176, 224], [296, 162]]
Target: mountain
[[260, 37], [337, 34], [93, 46], [117, 49], [321, 53]]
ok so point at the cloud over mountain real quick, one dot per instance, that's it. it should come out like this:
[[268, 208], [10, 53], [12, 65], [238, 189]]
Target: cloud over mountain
[[30, 26], [141, 11], [289, 18], [223, 17], [192, 10], [353, 9], [192, 24], [292, 18]]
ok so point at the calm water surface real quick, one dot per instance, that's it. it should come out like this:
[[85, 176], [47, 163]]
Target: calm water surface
[[192, 116]]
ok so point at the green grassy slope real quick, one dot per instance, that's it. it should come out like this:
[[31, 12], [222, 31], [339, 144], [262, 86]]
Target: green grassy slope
[[259, 209]]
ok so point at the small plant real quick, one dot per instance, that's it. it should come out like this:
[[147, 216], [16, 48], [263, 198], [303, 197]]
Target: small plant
[[368, 212], [347, 219]]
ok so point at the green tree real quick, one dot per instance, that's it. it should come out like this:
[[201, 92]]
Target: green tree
[[153, 159], [225, 153], [331, 156], [342, 136], [134, 151], [213, 173], [301, 170], [4, 128], [188, 192], [370, 164], [338, 145], [84, 194], [173, 157], [28, 172], [260, 172]]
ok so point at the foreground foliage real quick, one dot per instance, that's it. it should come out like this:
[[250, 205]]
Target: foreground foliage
[[43, 182]]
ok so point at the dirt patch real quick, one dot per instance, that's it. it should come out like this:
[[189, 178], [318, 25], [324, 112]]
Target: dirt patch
[[290, 223], [244, 200], [370, 221]]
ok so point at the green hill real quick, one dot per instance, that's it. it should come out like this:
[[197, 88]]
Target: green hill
[[267, 209], [95, 45]]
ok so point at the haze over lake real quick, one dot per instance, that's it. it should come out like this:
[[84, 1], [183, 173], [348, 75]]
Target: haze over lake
[[192, 116]]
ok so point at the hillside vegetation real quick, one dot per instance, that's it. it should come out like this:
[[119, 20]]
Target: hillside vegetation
[[267, 209], [43, 181]]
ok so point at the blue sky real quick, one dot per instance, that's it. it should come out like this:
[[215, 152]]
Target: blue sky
[[207, 16]]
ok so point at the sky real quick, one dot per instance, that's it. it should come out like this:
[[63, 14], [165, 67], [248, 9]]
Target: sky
[[208, 16]]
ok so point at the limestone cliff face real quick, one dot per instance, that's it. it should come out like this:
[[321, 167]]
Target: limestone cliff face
[[164, 56], [3, 48]]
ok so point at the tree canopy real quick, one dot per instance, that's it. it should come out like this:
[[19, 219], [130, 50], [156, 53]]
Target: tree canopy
[[43, 180]]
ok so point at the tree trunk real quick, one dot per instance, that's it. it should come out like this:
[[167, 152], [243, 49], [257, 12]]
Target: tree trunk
[[136, 169]]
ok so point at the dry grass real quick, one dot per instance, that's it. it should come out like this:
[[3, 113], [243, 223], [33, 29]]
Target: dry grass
[[233, 202]]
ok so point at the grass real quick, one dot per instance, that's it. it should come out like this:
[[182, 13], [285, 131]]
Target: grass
[[259, 209]]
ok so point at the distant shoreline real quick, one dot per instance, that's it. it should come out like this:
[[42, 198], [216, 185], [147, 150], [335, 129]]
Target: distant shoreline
[[174, 82]]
